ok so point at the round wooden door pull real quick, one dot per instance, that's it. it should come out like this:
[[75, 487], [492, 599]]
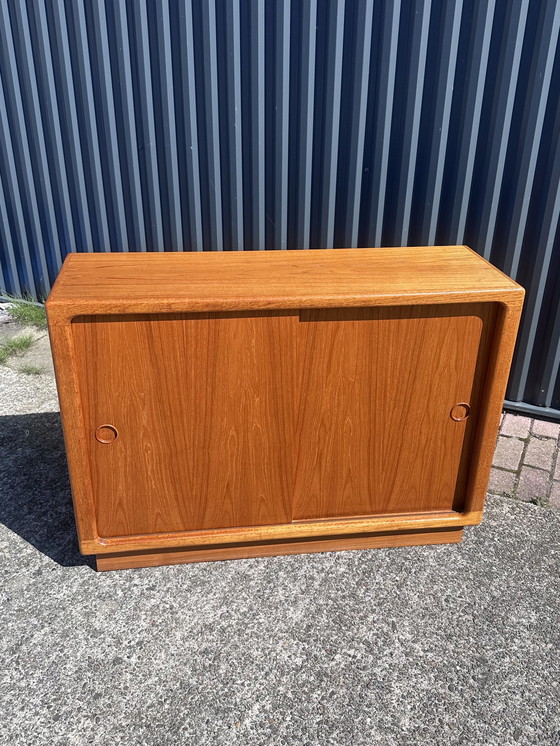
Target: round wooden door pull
[[106, 433], [460, 411]]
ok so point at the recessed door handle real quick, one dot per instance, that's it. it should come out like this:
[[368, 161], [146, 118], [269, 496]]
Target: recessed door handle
[[106, 433], [460, 411]]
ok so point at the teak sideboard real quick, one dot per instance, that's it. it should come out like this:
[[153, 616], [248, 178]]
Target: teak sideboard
[[218, 405]]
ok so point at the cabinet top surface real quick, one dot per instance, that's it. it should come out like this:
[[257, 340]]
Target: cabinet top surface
[[222, 281]]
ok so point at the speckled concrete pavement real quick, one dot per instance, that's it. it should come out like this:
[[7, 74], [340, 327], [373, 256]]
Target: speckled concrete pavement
[[424, 645]]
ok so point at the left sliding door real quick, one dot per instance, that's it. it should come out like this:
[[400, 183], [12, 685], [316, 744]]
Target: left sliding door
[[190, 419]]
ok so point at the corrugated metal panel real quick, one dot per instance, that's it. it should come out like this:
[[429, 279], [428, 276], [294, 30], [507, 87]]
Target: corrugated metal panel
[[179, 125]]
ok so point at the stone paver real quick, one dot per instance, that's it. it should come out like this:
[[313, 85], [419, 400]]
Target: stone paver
[[545, 429], [502, 482], [555, 495], [508, 453], [516, 425], [527, 461], [540, 453], [533, 484]]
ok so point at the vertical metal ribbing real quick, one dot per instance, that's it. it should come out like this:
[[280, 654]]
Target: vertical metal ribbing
[[282, 102], [444, 97], [126, 123], [304, 132], [189, 123], [11, 191], [384, 118], [234, 189], [214, 228], [67, 230], [538, 98], [552, 364], [545, 239], [333, 75], [169, 176], [409, 147], [4, 278], [476, 76], [254, 150], [66, 105], [360, 79], [149, 172], [81, 65], [35, 134], [20, 150], [10, 276], [508, 77], [107, 129], [184, 124]]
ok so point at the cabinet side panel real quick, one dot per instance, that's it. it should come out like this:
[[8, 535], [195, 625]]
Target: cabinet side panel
[[374, 432], [491, 402], [67, 371], [202, 404]]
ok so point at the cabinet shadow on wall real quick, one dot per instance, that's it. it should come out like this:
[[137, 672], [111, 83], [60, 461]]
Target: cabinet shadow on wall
[[35, 497]]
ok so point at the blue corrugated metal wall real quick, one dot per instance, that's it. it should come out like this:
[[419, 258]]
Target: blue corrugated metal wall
[[150, 125]]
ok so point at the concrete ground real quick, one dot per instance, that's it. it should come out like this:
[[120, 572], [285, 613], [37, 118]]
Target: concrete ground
[[427, 645]]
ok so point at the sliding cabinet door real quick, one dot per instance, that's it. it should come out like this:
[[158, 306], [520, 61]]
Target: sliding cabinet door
[[379, 428], [190, 419]]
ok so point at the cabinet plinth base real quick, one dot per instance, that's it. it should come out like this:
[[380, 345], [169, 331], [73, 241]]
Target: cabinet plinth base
[[212, 553]]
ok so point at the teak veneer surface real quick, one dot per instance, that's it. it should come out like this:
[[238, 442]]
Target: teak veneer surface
[[247, 419], [374, 435], [237, 280], [126, 560], [252, 403], [203, 404]]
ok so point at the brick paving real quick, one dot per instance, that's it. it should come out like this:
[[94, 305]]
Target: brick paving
[[526, 462]]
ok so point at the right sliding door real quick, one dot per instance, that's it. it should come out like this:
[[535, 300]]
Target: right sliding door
[[379, 428]]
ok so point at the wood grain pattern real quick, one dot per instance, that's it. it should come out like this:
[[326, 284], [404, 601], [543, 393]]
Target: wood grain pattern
[[227, 281], [374, 433], [203, 404], [128, 560], [75, 435], [281, 531], [493, 383], [206, 407], [184, 338]]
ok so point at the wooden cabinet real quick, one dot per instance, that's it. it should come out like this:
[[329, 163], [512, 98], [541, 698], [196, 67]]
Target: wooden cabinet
[[240, 404]]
